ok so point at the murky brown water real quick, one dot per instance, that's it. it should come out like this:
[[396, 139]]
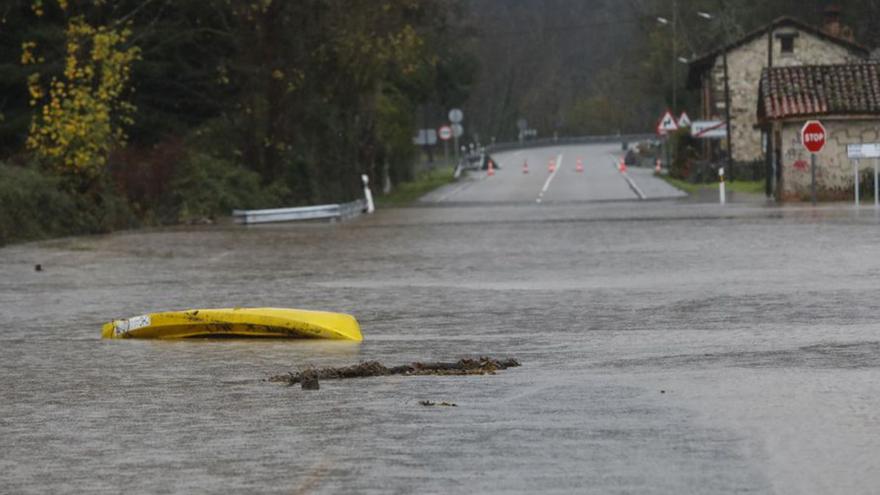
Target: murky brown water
[[666, 348]]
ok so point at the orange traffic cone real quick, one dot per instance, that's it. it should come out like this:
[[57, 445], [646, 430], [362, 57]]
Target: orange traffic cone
[[622, 165], [551, 167], [526, 167], [491, 171], [580, 166]]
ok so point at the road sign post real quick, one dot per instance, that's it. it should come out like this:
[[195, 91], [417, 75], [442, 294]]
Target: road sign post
[[856, 181], [684, 121], [445, 134], [858, 151], [813, 179], [456, 116], [665, 125], [813, 140], [708, 129], [522, 124]]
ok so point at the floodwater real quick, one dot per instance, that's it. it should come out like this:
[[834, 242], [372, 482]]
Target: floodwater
[[666, 348]]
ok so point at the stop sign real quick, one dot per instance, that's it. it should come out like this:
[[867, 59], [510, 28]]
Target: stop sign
[[813, 136]]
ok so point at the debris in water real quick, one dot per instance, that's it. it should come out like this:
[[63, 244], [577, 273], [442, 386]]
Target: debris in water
[[309, 380], [482, 366], [429, 403]]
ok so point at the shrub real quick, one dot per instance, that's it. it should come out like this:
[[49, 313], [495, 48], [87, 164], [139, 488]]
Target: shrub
[[205, 186], [35, 204]]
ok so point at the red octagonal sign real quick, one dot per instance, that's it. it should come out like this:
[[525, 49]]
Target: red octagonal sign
[[813, 136]]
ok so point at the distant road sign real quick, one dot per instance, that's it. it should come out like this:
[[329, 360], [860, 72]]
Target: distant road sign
[[522, 124], [425, 137], [445, 133], [708, 129], [684, 120], [863, 150], [457, 130], [813, 136], [667, 124], [456, 115]]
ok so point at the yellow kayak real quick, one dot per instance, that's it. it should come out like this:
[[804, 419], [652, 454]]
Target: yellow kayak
[[244, 322]]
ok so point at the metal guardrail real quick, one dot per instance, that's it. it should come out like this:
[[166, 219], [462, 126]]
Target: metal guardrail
[[540, 143], [342, 211], [353, 209]]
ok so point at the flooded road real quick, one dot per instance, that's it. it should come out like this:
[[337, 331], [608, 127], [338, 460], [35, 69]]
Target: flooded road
[[666, 348], [556, 174]]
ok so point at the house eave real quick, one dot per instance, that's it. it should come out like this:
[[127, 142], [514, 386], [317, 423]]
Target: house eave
[[704, 62]]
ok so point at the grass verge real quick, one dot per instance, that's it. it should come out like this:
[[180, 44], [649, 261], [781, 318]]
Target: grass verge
[[406, 193], [740, 186]]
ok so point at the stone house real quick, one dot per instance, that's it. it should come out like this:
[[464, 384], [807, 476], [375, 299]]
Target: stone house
[[844, 97], [785, 42]]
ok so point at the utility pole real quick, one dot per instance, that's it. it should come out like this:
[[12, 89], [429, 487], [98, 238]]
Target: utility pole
[[725, 31], [428, 150], [727, 116], [674, 55], [768, 148]]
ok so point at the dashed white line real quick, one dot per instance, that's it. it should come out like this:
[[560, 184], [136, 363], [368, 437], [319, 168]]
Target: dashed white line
[[550, 178]]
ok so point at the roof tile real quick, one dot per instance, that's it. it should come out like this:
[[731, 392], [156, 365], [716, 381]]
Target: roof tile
[[814, 90]]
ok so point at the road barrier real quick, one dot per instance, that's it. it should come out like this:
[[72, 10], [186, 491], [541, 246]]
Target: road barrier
[[544, 142], [341, 211]]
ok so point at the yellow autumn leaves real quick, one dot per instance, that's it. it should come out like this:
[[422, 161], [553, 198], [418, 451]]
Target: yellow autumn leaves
[[80, 116]]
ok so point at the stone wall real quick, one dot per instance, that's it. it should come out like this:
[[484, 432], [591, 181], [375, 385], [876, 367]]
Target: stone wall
[[744, 67], [834, 171]]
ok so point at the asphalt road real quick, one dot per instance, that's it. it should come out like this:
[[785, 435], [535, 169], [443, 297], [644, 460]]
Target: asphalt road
[[667, 347], [552, 175]]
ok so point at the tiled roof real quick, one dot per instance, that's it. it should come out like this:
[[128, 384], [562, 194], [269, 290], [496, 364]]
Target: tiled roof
[[815, 90]]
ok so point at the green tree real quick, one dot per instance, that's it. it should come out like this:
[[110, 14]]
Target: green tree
[[81, 115]]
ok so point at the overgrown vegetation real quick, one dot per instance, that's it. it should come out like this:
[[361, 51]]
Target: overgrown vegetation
[[423, 183], [739, 186], [35, 204], [182, 110]]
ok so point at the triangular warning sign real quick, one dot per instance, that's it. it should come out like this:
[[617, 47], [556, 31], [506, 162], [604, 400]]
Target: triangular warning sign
[[666, 124], [684, 120]]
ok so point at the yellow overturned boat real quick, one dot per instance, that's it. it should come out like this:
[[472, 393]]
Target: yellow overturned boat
[[236, 322]]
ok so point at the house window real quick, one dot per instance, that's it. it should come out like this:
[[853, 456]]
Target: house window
[[787, 44], [786, 41]]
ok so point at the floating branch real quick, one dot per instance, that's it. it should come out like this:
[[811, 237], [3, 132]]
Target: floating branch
[[309, 377]]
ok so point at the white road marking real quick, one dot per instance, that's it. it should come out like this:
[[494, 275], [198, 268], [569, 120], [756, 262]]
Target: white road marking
[[632, 184], [550, 178]]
